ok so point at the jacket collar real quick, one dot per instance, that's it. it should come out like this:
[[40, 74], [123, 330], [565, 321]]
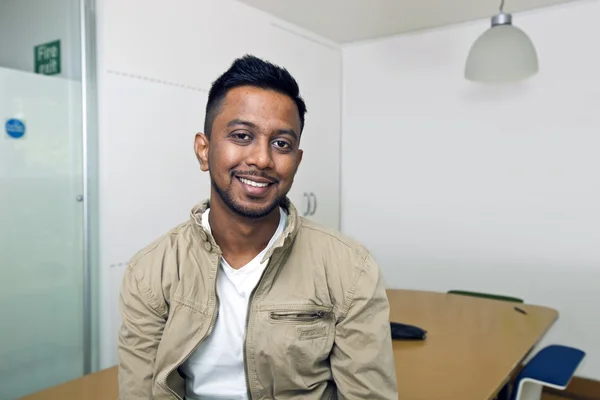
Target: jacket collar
[[284, 241]]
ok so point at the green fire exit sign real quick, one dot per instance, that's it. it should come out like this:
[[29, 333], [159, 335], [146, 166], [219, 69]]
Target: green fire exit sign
[[47, 58]]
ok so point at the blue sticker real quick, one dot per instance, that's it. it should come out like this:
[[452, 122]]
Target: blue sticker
[[15, 128]]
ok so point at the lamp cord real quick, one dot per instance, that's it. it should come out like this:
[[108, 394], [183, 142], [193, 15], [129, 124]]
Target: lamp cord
[[501, 6]]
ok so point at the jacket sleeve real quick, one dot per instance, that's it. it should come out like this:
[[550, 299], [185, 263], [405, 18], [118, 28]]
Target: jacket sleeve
[[143, 321], [362, 358]]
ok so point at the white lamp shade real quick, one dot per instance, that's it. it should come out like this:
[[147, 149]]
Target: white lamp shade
[[504, 53]]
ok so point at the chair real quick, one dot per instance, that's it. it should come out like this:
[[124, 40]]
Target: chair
[[486, 295], [553, 367]]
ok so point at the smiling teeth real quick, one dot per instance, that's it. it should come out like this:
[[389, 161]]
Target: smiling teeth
[[252, 183]]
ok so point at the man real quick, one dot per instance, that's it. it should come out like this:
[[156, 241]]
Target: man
[[247, 300]]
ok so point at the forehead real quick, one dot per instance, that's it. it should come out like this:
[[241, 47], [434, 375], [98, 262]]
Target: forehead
[[263, 107]]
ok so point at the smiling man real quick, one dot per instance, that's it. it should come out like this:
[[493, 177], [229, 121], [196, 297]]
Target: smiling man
[[247, 300]]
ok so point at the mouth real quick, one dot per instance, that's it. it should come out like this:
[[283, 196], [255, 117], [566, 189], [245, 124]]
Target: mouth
[[255, 186], [254, 183]]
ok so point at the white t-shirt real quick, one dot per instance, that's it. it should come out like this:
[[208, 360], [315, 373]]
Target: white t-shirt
[[215, 371]]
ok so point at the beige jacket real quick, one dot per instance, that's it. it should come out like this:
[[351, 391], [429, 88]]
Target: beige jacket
[[318, 320]]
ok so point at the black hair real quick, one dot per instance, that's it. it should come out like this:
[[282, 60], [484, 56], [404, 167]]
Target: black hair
[[252, 71]]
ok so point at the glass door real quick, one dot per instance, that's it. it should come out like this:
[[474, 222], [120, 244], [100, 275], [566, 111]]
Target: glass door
[[42, 241]]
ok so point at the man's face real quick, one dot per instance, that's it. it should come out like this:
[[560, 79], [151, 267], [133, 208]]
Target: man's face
[[253, 153]]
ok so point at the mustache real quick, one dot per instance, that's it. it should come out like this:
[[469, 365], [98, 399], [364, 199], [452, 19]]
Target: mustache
[[254, 173]]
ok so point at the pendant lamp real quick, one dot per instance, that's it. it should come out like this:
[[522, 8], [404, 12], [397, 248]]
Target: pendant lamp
[[504, 53]]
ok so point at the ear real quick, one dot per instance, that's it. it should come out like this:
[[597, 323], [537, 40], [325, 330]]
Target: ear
[[201, 144], [299, 159]]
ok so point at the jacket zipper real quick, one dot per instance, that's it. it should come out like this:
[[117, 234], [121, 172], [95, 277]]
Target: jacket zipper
[[245, 334], [210, 329], [297, 316], [246, 327]]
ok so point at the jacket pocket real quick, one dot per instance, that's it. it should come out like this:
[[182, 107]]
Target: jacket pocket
[[298, 316], [294, 344]]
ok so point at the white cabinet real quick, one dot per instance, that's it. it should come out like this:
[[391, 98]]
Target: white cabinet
[[150, 175], [317, 68]]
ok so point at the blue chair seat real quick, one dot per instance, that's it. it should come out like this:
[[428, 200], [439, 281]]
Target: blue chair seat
[[553, 366]]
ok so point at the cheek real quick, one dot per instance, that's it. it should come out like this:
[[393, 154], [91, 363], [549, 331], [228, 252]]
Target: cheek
[[223, 159], [287, 167]]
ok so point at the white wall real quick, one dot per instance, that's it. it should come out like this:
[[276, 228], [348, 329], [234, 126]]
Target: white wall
[[25, 24], [153, 84], [495, 189]]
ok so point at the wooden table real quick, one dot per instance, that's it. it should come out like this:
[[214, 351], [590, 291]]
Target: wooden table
[[101, 385], [472, 348]]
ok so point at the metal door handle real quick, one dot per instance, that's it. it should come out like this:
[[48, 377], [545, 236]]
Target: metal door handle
[[307, 210], [314, 197]]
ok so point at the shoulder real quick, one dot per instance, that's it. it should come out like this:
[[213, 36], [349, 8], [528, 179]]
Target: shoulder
[[350, 270], [156, 265], [168, 242], [333, 245]]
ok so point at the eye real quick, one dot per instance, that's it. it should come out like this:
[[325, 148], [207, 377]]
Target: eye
[[241, 136], [282, 144]]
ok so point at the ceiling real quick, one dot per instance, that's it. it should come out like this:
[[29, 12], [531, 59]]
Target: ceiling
[[345, 21]]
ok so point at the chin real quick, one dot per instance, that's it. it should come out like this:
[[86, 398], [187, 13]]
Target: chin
[[254, 210], [258, 212]]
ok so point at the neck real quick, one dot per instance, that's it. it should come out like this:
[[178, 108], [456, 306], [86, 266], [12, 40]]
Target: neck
[[240, 238]]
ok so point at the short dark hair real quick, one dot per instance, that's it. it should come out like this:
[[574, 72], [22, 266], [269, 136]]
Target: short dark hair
[[252, 71]]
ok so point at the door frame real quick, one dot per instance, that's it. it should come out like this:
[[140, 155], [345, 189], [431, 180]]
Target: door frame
[[89, 197]]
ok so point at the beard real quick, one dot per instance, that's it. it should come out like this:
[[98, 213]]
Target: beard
[[247, 212]]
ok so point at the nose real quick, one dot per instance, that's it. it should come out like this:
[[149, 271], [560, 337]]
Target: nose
[[260, 155]]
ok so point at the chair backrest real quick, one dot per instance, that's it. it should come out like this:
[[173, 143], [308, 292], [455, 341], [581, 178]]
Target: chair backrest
[[553, 366], [486, 295]]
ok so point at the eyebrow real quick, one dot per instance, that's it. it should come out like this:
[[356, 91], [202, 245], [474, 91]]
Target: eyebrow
[[235, 122], [249, 124]]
